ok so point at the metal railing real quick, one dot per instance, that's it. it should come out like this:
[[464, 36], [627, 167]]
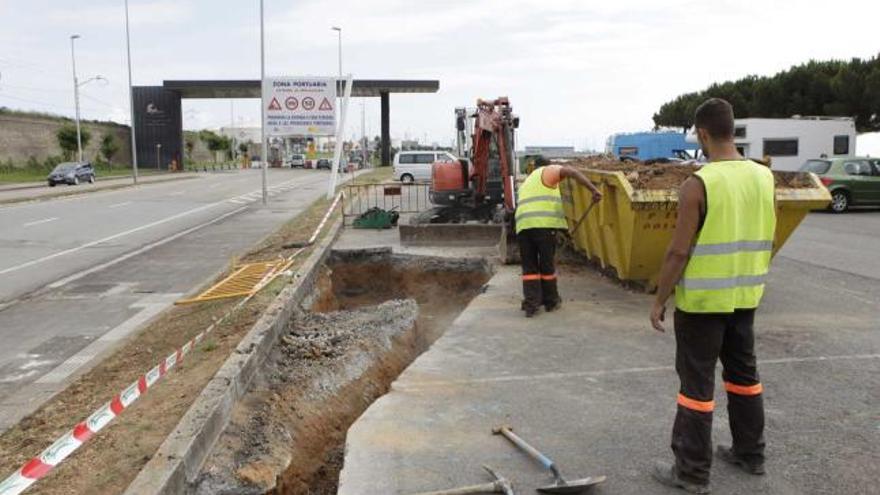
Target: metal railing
[[402, 198]]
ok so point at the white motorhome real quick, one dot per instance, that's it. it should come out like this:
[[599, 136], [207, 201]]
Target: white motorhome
[[791, 142]]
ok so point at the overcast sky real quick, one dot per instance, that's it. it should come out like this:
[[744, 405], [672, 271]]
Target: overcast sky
[[575, 71]]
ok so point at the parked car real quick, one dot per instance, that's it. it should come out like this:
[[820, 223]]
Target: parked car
[[295, 160], [852, 181], [71, 173], [323, 163], [411, 166]]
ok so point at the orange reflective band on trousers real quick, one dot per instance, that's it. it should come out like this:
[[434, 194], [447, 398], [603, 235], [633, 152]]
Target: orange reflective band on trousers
[[552, 276], [531, 278], [696, 405], [733, 388]]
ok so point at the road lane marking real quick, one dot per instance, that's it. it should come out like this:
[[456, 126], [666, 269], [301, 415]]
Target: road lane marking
[[149, 307], [76, 276], [107, 239], [38, 222], [117, 205]]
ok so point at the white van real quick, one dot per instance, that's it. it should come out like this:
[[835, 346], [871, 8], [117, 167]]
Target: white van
[[411, 166]]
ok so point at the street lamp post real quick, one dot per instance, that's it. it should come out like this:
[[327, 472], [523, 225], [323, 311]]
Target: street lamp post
[[79, 151], [339, 32], [134, 160], [265, 145]]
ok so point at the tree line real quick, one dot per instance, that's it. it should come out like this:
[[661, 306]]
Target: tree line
[[817, 88]]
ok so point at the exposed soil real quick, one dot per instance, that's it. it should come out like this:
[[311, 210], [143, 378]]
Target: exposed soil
[[671, 176], [374, 313]]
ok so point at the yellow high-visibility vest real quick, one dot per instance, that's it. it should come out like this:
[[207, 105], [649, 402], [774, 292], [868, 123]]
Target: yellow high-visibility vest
[[729, 263], [539, 206]]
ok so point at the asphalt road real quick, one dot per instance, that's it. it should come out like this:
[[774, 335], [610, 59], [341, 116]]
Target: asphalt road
[[79, 274]]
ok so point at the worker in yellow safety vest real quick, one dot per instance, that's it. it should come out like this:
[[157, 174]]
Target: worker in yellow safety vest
[[717, 263], [538, 216]]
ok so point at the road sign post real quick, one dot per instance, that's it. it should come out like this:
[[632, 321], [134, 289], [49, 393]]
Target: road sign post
[[340, 132]]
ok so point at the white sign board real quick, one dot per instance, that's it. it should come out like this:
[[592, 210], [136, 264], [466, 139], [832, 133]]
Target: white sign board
[[299, 106]]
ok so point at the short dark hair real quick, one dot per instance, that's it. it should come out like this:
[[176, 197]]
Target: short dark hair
[[716, 117]]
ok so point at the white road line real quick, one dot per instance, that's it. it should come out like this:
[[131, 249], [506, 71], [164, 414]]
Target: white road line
[[38, 222], [615, 371], [77, 276], [149, 309], [107, 239], [117, 205]]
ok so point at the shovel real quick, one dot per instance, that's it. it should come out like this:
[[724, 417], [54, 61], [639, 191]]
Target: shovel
[[560, 484], [582, 218]]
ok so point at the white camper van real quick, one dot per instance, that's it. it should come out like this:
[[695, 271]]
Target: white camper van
[[791, 142]]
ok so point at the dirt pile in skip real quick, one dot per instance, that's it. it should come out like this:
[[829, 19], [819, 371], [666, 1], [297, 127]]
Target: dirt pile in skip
[[671, 175]]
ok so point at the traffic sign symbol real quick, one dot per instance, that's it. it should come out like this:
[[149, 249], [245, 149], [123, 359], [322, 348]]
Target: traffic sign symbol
[[274, 105], [308, 103], [326, 105], [291, 103]]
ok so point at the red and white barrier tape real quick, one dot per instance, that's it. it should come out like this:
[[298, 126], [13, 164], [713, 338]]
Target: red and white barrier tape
[[324, 220], [67, 444]]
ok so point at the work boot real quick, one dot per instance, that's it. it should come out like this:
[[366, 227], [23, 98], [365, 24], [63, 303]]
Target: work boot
[[727, 455], [530, 312], [666, 474], [553, 306]]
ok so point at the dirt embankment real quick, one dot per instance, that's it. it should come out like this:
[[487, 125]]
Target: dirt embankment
[[372, 315], [670, 175]]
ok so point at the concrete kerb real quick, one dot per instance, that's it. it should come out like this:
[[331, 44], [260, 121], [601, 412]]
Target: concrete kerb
[[182, 454]]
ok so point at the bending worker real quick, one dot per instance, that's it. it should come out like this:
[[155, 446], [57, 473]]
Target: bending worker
[[538, 216], [717, 262]]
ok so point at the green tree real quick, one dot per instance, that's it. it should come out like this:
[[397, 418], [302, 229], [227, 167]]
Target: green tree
[[67, 140], [826, 88], [109, 148], [189, 143], [215, 142]]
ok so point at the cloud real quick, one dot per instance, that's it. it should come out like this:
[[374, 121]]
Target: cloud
[[113, 14]]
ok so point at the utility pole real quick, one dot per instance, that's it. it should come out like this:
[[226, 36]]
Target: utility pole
[[79, 151], [134, 159], [364, 154], [262, 107], [339, 59], [232, 129]]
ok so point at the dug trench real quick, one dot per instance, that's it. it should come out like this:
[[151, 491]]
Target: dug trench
[[372, 314]]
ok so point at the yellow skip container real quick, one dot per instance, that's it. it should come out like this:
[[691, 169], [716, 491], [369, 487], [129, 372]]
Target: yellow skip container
[[628, 232]]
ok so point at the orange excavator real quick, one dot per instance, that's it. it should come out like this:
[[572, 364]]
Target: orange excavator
[[480, 185]]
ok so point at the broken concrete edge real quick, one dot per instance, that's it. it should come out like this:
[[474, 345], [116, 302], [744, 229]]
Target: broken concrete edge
[[180, 457]]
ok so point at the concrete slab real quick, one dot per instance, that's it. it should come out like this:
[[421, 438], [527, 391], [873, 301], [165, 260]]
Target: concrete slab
[[594, 387], [365, 238]]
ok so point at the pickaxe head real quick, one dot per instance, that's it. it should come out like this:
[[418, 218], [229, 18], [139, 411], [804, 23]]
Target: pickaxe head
[[502, 484]]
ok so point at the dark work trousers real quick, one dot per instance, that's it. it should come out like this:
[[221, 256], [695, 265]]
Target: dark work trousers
[[700, 339], [537, 249]]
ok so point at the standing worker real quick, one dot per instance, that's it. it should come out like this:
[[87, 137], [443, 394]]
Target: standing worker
[[717, 261], [538, 216]]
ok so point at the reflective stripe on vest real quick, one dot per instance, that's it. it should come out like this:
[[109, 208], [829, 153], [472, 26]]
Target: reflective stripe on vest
[[539, 206], [729, 263]]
